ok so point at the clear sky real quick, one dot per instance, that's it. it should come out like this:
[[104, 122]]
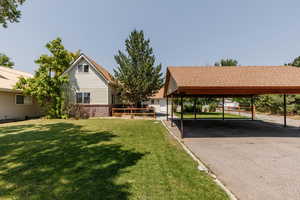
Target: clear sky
[[190, 32]]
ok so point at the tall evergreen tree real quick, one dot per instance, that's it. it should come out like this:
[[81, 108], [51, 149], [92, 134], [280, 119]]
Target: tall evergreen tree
[[46, 85], [5, 61], [9, 11], [137, 77], [227, 62]]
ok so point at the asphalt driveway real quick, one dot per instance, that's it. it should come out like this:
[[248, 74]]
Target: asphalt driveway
[[254, 159]]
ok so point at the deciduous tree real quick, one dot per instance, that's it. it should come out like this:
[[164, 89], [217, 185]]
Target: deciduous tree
[[5, 61], [9, 11], [227, 62], [295, 62], [46, 85]]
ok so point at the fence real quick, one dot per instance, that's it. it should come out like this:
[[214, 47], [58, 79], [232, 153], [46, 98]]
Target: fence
[[239, 109], [119, 112]]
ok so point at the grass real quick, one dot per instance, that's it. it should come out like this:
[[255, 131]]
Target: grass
[[97, 159], [210, 115]]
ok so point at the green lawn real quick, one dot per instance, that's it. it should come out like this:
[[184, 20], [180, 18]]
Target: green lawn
[[97, 159], [210, 115]]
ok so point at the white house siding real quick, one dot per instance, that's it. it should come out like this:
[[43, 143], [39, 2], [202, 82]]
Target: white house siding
[[95, 84], [10, 110], [91, 82]]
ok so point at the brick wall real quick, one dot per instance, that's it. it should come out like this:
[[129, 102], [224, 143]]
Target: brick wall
[[97, 110]]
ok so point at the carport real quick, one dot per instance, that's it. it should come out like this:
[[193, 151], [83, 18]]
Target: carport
[[224, 82]]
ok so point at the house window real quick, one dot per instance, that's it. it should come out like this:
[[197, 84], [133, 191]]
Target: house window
[[86, 97], [23, 100], [79, 68], [83, 97], [83, 68], [19, 99], [86, 68]]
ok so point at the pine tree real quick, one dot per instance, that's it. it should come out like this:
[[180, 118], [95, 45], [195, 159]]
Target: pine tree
[[137, 77]]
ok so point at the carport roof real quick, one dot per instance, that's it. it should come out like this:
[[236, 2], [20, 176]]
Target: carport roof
[[236, 80]]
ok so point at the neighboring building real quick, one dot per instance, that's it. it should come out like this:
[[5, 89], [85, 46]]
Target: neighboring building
[[159, 103], [229, 104], [13, 105], [90, 86]]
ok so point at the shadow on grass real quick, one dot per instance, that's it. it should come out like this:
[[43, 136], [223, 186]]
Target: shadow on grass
[[62, 161]]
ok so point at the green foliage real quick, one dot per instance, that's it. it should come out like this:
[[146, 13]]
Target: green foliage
[[137, 77], [227, 62], [296, 62], [5, 61], [272, 103], [9, 11], [46, 85], [188, 103]]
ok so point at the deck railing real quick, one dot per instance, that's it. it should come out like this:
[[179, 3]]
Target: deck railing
[[132, 112]]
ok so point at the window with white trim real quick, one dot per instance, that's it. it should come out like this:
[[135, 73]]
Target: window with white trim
[[86, 68], [83, 97], [83, 68], [23, 100]]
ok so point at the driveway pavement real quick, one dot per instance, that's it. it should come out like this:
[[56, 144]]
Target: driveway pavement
[[270, 118], [256, 160]]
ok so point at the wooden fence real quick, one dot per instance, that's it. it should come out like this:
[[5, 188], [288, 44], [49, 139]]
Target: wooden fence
[[239, 109], [119, 112]]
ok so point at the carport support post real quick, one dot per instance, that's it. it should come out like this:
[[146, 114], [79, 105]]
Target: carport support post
[[252, 108], [195, 113], [172, 112], [181, 116], [223, 114], [167, 108], [284, 109]]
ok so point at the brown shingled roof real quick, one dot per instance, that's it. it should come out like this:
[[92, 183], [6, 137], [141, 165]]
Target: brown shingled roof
[[101, 69], [234, 80]]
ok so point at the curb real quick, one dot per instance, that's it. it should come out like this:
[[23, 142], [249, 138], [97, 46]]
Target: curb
[[201, 165]]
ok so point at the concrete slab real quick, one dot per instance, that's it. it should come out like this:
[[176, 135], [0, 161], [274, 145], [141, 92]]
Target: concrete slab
[[254, 159]]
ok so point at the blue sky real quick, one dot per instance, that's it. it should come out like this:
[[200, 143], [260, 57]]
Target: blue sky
[[191, 32]]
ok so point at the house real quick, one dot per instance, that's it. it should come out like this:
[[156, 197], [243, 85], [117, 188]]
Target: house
[[14, 105], [159, 103], [90, 87]]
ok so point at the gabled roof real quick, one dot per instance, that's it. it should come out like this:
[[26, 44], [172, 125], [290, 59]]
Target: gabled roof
[[106, 75], [234, 80], [159, 94], [9, 77], [101, 69]]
